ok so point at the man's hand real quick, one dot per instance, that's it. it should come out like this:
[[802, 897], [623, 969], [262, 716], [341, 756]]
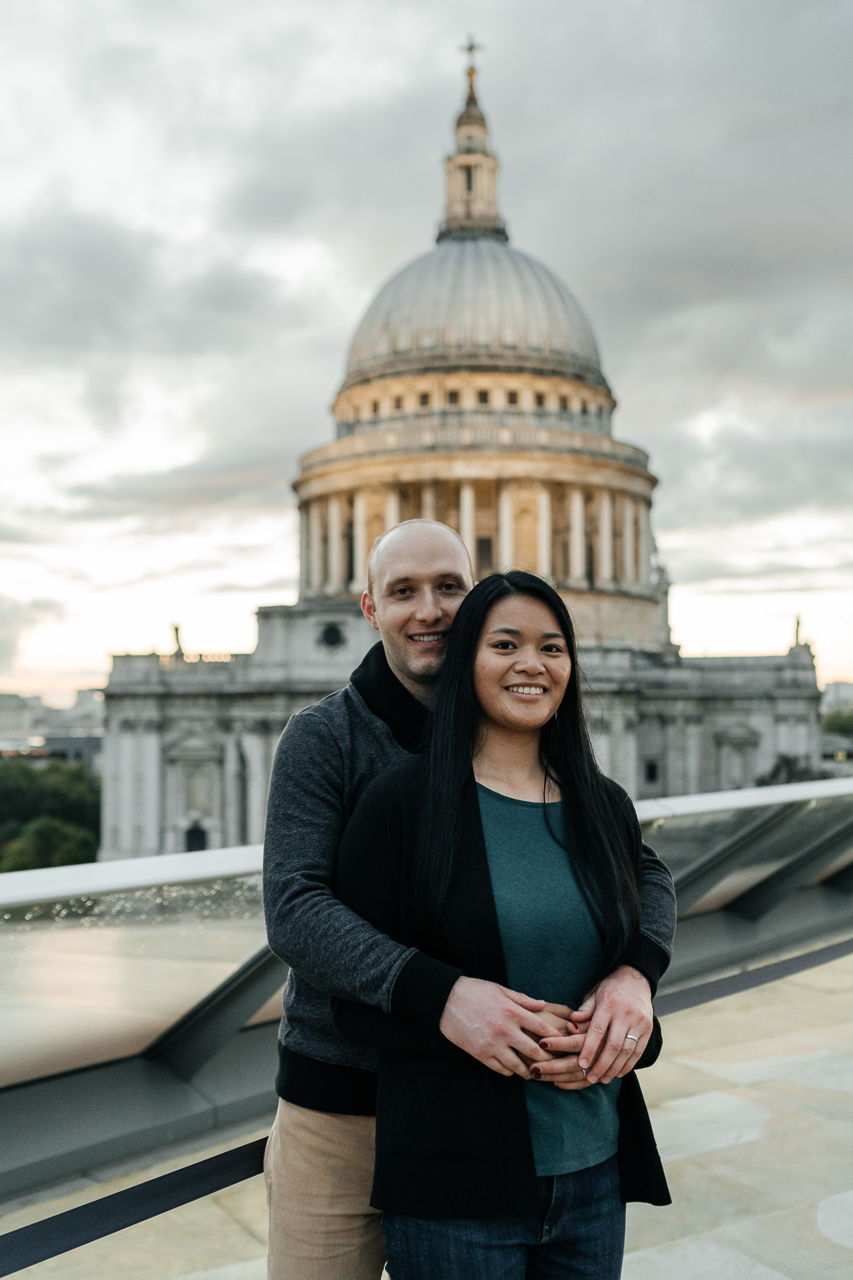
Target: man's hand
[[620, 1006], [496, 1026]]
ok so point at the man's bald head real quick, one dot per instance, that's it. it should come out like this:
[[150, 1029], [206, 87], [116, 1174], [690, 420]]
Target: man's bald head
[[419, 536]]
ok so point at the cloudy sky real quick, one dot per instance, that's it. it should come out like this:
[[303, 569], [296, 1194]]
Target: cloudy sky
[[199, 199]]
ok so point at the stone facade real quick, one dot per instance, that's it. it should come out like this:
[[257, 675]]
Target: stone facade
[[189, 742], [473, 395]]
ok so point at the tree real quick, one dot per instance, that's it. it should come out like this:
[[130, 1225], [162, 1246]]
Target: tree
[[48, 842], [49, 815], [839, 722], [69, 792]]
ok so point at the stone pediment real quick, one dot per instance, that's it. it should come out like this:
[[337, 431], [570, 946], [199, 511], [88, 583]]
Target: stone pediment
[[194, 748]]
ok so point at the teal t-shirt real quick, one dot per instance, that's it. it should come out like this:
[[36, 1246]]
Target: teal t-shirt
[[552, 951]]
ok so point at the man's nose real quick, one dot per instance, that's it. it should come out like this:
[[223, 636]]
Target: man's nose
[[429, 607]]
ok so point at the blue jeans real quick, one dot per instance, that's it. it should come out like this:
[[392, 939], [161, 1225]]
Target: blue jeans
[[577, 1233]]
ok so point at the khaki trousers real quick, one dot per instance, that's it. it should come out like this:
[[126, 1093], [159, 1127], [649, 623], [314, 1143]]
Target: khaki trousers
[[319, 1171]]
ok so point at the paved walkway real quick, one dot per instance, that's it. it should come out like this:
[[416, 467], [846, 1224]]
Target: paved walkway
[[752, 1103]]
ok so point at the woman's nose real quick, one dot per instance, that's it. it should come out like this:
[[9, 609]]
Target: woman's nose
[[529, 660]]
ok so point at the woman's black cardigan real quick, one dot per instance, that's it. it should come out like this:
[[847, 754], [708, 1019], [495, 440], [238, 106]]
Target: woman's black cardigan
[[452, 1136]]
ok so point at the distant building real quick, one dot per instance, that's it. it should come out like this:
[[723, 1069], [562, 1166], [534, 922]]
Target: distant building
[[473, 394], [17, 721], [837, 697], [29, 728]]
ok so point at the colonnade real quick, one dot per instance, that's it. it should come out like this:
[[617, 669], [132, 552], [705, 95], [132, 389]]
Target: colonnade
[[581, 537]]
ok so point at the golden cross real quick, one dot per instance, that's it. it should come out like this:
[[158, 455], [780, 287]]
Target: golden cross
[[471, 48]]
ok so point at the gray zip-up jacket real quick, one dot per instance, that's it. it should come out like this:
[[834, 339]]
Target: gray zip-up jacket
[[325, 758]]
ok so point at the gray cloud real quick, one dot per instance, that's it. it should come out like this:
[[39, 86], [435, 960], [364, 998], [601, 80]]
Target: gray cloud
[[275, 584], [683, 173], [18, 616]]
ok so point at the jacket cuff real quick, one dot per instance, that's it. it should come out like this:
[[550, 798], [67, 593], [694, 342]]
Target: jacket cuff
[[649, 957], [422, 988]]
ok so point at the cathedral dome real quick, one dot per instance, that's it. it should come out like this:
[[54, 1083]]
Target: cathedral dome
[[474, 303]]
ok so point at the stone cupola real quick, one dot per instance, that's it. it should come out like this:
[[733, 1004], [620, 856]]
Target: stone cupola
[[472, 174]]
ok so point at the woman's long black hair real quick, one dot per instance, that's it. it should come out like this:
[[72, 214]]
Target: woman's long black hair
[[597, 833]]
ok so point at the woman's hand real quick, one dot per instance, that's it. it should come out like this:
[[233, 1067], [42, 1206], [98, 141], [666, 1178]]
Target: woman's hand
[[564, 1069], [557, 1016]]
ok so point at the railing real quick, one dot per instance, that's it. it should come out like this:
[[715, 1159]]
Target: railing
[[566, 420], [90, 879]]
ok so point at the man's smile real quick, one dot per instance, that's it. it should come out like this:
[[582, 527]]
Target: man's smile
[[429, 637]]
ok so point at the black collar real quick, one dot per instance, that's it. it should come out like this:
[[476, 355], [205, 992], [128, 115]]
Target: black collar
[[388, 699]]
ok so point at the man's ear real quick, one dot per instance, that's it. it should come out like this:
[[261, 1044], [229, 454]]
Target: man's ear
[[369, 610]]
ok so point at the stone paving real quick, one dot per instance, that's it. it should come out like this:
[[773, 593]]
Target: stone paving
[[752, 1103]]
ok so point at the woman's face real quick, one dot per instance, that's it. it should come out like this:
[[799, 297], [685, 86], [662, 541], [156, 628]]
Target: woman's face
[[522, 667]]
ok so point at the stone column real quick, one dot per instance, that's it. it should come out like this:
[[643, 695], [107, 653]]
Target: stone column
[[428, 502], [506, 532], [392, 508], [544, 533], [577, 539], [335, 575], [304, 568], [468, 519], [629, 571], [257, 784], [232, 787], [645, 546], [315, 516], [359, 542], [604, 575]]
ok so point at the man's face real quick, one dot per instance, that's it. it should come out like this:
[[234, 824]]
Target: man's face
[[420, 577]]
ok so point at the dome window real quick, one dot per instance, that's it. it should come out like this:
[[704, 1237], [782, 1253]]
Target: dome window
[[584, 407], [469, 178], [453, 397], [540, 400], [512, 397], [564, 404], [424, 398], [398, 402], [482, 397], [375, 407]]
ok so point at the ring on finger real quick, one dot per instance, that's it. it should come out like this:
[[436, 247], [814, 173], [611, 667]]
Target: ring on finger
[[632, 1037]]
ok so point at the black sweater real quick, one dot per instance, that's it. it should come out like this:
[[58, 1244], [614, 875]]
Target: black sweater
[[452, 1136]]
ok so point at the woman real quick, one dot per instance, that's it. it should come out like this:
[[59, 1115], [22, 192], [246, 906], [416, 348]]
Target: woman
[[505, 853]]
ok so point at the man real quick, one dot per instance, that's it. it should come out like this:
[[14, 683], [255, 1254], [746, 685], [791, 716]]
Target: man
[[319, 1161]]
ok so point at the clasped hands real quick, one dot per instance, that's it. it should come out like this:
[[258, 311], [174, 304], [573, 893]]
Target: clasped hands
[[514, 1034]]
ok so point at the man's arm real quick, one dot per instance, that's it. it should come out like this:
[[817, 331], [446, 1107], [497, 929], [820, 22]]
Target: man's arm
[[321, 939]]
